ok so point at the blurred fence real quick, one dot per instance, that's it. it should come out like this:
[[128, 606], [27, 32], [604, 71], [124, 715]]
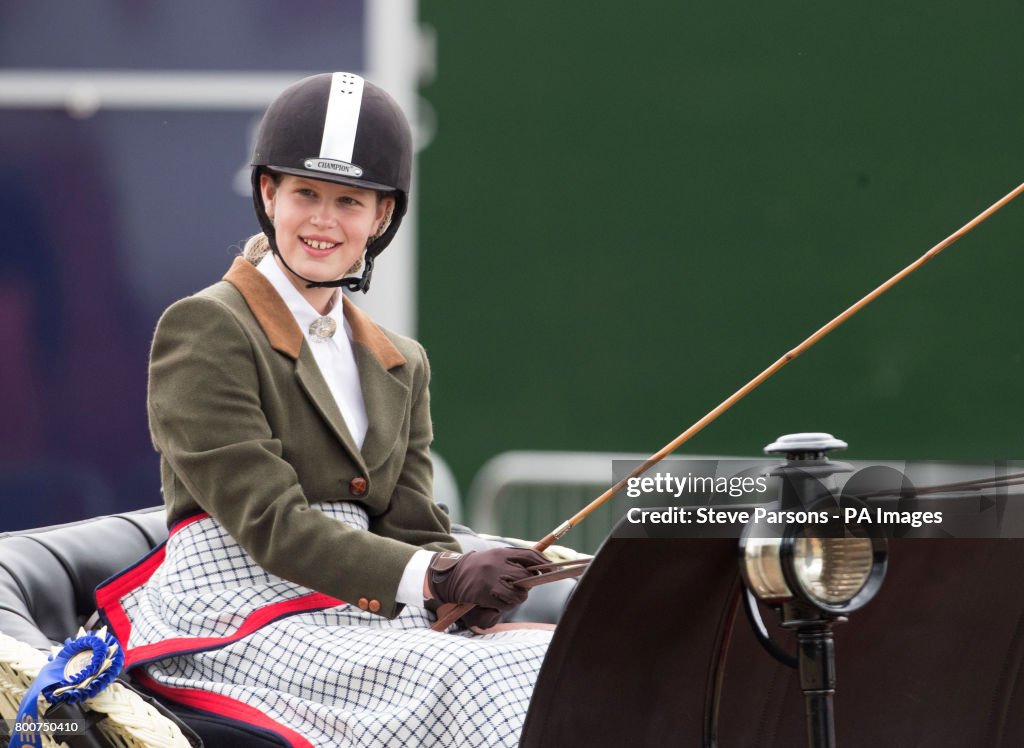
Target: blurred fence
[[527, 494]]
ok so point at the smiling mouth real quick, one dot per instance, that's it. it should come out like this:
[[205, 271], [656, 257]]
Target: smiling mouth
[[320, 246]]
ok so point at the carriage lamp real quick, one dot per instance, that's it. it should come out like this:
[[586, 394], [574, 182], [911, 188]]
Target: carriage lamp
[[812, 568], [832, 575], [807, 556]]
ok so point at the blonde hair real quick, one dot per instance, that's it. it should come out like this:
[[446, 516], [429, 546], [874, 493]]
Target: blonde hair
[[256, 248]]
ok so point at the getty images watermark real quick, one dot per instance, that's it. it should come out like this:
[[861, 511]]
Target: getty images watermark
[[718, 498]]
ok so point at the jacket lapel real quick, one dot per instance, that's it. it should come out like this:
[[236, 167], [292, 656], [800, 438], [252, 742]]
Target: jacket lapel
[[312, 383], [385, 396]]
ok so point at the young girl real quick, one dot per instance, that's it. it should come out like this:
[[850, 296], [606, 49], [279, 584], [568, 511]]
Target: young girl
[[294, 438]]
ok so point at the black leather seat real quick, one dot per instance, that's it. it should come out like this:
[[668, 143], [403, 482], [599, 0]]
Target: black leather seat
[[48, 575]]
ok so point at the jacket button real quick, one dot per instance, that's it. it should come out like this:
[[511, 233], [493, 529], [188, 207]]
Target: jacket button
[[363, 603], [374, 606], [357, 486]]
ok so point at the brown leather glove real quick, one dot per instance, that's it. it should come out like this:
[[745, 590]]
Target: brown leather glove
[[484, 578]]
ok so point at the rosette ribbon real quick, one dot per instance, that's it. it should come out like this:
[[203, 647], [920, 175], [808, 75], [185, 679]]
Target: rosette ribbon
[[81, 669]]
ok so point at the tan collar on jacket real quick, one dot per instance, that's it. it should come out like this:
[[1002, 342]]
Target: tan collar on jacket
[[280, 326]]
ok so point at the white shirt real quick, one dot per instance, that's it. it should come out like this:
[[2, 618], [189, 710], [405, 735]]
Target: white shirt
[[337, 364], [333, 355]]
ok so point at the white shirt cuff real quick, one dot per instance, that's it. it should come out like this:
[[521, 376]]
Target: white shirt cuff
[[410, 588]]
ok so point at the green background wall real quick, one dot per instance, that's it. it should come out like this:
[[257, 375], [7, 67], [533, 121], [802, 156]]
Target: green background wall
[[629, 210]]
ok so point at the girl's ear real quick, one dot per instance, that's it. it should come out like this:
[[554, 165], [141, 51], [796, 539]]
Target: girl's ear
[[268, 190], [384, 207]]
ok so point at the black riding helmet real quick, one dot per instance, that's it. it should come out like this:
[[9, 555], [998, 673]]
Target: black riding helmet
[[339, 128]]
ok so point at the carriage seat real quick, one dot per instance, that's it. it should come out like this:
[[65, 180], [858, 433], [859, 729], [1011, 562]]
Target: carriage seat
[[48, 575]]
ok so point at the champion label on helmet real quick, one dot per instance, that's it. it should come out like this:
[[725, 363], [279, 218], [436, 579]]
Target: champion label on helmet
[[333, 167]]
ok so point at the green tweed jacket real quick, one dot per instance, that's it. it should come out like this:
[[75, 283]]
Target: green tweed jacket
[[248, 431]]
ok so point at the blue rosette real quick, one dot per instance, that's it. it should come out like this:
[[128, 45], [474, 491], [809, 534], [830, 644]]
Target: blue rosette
[[81, 669]]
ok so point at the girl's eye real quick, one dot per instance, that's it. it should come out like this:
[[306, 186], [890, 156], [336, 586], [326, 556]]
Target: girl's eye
[[348, 200], [306, 192]]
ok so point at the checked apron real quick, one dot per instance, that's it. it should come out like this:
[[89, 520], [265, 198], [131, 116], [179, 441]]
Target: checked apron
[[204, 625]]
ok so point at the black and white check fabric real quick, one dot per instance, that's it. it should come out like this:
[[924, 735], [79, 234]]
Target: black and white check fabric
[[338, 676]]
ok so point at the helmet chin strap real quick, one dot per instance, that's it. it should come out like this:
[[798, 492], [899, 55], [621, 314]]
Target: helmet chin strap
[[362, 283]]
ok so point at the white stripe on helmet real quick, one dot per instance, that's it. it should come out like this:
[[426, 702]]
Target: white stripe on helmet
[[342, 117]]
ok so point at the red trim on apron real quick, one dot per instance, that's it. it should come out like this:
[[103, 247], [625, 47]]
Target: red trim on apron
[[110, 594], [222, 706], [255, 621]]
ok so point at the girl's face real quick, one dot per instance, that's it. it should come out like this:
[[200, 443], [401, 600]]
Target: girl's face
[[321, 227]]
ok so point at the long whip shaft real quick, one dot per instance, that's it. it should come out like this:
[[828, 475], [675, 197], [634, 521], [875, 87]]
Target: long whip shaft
[[785, 359]]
